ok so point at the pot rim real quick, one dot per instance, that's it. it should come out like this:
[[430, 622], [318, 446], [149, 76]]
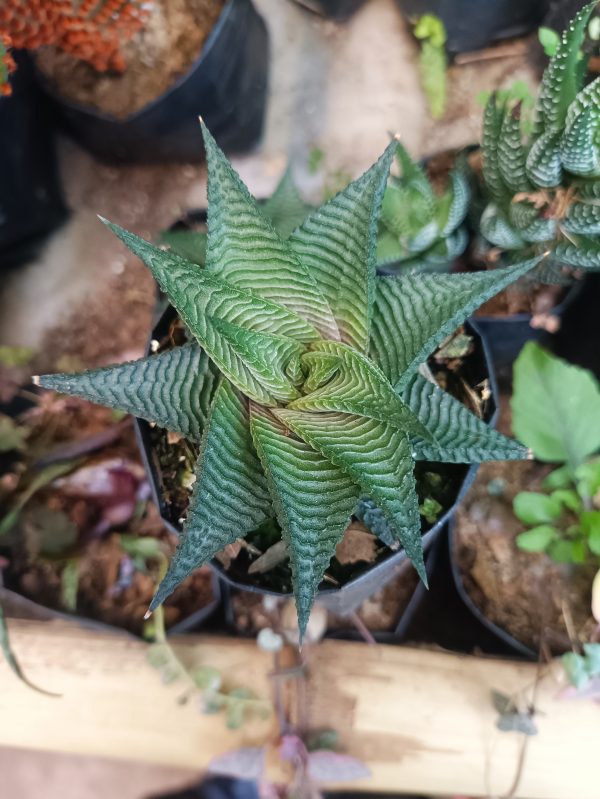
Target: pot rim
[[198, 62]]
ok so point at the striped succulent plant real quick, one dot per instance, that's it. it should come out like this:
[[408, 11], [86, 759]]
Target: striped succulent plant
[[420, 231], [302, 384], [545, 193]]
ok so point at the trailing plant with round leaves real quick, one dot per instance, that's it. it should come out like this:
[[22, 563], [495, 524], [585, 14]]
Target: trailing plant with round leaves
[[420, 231], [545, 193], [303, 388]]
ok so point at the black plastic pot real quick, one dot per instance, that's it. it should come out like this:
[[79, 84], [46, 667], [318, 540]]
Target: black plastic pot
[[31, 201], [338, 10], [226, 86], [445, 615], [23, 607], [505, 336], [474, 24], [346, 599]]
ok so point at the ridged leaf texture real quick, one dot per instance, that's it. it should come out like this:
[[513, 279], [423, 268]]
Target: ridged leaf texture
[[414, 314], [294, 383], [230, 495], [312, 520], [418, 229], [534, 186], [173, 390]]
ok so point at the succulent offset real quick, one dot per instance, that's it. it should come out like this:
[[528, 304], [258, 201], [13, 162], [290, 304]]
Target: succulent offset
[[545, 193], [303, 384], [420, 231]]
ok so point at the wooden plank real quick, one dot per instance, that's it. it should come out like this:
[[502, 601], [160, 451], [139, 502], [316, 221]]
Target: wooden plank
[[422, 720]]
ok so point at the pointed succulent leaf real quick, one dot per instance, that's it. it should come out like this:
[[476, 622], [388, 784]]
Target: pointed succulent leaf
[[198, 295], [230, 496], [173, 389], [412, 175], [245, 249], [588, 189], [377, 457], [579, 150], [265, 354], [460, 436], [460, 193], [492, 128], [337, 244], [511, 152], [496, 228], [358, 387], [188, 244], [544, 163], [561, 80], [541, 230], [588, 97], [583, 253], [414, 314], [285, 207], [312, 520]]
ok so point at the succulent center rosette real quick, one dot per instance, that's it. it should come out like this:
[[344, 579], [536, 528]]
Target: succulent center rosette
[[302, 385]]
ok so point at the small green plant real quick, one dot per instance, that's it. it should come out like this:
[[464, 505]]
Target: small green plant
[[301, 380], [419, 230], [556, 411], [433, 63], [544, 193]]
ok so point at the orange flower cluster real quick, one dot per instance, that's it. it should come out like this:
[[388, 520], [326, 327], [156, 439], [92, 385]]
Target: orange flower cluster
[[7, 64], [91, 30]]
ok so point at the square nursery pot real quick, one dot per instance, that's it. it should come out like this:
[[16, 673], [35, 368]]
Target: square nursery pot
[[226, 86], [20, 606], [346, 599], [31, 201], [475, 24], [506, 336]]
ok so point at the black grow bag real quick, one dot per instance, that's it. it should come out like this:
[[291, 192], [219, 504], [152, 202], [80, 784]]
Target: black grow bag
[[474, 24], [226, 86], [31, 202], [344, 600]]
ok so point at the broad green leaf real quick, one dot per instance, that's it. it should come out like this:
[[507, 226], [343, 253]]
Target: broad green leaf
[[564, 551], [358, 387], [245, 249], [173, 389], [558, 478], [537, 539], [285, 207], [230, 496], [414, 314], [569, 498], [555, 407], [533, 508], [198, 295], [590, 525], [188, 244], [337, 244], [459, 435], [378, 458], [588, 478], [312, 520], [549, 39]]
